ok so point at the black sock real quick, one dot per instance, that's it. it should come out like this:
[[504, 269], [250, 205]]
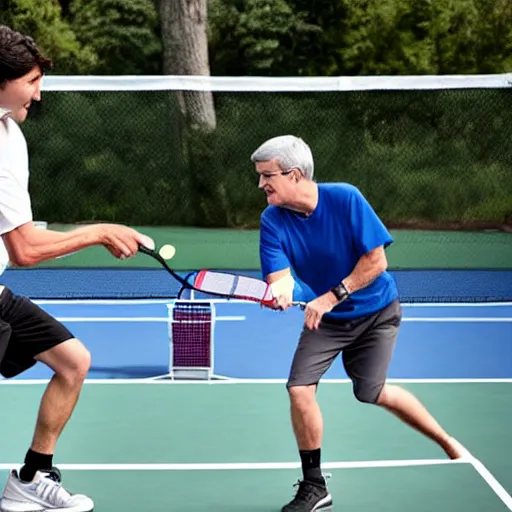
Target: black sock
[[34, 462], [311, 465]]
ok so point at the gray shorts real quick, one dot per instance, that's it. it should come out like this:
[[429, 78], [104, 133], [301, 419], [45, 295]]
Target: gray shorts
[[366, 344]]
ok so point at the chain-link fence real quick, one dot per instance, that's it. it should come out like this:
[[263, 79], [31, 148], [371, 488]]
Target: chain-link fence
[[423, 158]]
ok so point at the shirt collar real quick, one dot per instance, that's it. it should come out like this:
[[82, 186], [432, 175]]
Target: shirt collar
[[4, 112]]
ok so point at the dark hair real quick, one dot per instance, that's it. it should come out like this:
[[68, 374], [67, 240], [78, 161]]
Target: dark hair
[[19, 54]]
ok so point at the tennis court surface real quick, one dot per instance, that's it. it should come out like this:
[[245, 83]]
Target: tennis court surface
[[140, 441]]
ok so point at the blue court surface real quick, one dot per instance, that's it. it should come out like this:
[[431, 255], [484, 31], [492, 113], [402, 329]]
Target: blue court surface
[[129, 339], [135, 443]]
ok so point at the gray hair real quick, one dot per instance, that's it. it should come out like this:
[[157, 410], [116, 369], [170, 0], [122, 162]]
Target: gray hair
[[289, 151]]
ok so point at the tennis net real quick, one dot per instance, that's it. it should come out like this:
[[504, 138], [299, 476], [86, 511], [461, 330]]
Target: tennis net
[[422, 286]]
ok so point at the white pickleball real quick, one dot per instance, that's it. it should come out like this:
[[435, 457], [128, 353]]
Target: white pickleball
[[167, 251]]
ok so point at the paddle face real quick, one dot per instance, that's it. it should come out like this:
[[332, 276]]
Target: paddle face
[[235, 286]]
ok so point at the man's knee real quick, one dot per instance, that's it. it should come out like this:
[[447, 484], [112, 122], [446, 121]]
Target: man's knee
[[70, 359], [301, 397], [83, 361], [79, 360]]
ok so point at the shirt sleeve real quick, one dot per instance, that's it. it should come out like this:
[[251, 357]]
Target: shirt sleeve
[[15, 204], [272, 255], [368, 230]]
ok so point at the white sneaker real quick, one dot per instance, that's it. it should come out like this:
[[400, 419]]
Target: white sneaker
[[44, 493]]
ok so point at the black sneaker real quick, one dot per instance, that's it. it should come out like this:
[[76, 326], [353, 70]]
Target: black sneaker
[[310, 497]]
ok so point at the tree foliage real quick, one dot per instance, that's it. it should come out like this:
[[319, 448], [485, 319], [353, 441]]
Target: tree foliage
[[363, 37], [123, 34], [278, 37], [43, 20]]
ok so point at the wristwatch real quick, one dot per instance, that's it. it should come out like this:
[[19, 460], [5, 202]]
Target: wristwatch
[[340, 292]]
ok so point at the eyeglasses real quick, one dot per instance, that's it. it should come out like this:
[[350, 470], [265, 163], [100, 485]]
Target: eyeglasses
[[269, 175]]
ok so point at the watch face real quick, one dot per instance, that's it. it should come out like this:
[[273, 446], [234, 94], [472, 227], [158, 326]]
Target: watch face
[[339, 291]]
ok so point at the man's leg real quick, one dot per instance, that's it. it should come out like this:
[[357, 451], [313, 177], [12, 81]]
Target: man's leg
[[409, 409], [70, 361], [367, 362], [314, 355], [35, 335], [307, 423]]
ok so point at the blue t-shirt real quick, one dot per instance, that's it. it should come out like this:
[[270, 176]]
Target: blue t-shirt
[[323, 248]]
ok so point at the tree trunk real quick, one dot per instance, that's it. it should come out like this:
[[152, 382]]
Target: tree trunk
[[185, 44]]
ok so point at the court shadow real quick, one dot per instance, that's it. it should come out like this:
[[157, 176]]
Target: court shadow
[[127, 372]]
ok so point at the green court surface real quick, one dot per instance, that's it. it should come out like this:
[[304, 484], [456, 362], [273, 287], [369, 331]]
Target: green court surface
[[239, 249], [228, 447]]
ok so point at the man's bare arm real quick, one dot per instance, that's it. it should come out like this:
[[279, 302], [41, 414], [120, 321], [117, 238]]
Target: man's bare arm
[[28, 245], [368, 268]]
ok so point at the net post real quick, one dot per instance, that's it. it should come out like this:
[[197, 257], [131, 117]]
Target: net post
[[191, 329]]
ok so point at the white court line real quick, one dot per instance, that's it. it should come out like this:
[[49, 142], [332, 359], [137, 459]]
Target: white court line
[[492, 482], [456, 304], [103, 302], [230, 466], [457, 319], [240, 318], [231, 382], [124, 302], [135, 319]]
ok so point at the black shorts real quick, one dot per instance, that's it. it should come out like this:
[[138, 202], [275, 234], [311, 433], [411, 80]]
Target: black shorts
[[25, 331], [366, 343]]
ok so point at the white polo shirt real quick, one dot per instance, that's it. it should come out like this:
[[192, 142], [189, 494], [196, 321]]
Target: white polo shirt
[[15, 205]]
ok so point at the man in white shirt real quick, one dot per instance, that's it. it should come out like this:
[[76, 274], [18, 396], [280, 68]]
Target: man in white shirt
[[27, 333]]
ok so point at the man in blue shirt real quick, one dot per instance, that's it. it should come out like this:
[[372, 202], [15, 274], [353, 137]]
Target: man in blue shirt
[[332, 240]]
